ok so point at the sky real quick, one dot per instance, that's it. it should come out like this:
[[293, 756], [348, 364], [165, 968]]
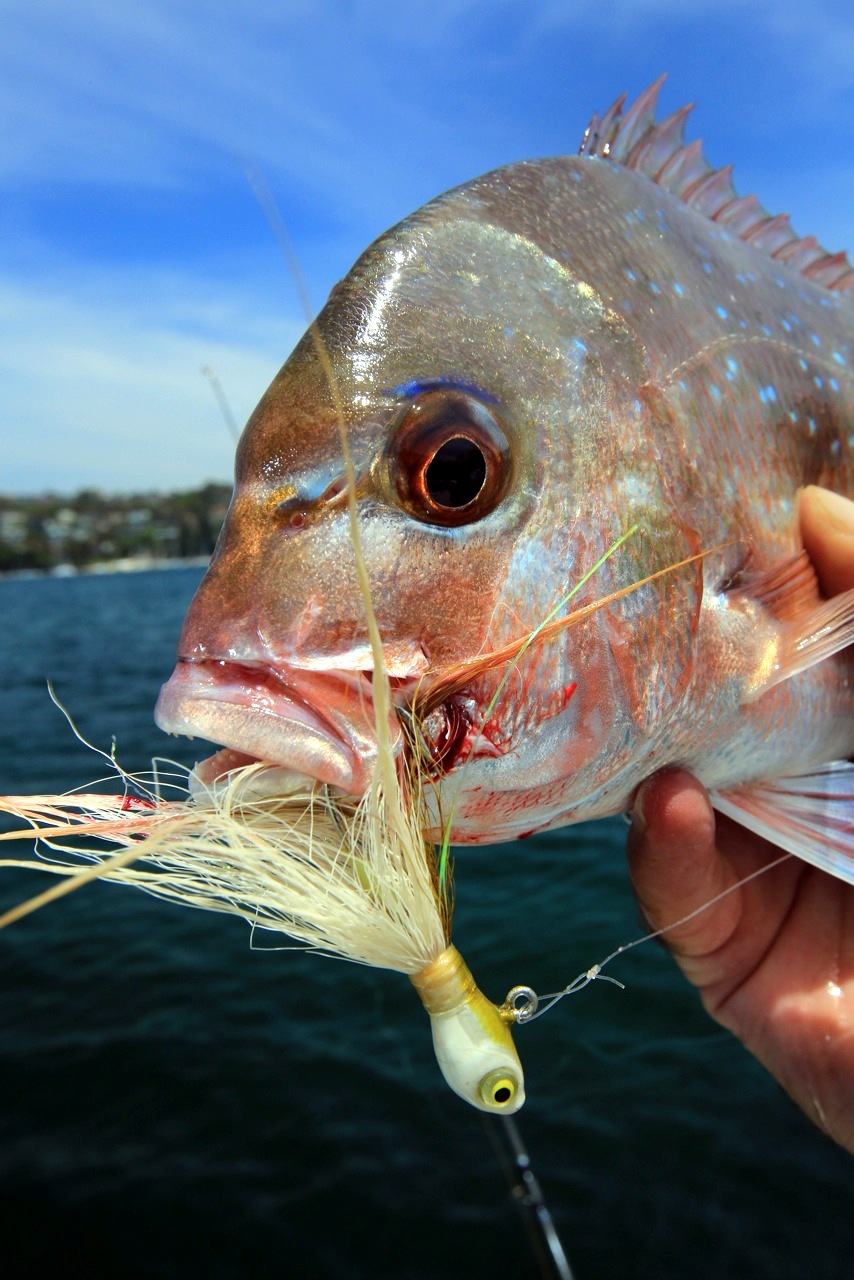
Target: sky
[[134, 251]]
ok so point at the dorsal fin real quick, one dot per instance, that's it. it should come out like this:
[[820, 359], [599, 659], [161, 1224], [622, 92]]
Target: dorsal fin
[[658, 149]]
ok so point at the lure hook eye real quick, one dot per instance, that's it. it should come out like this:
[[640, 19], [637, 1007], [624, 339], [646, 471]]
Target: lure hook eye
[[521, 1004]]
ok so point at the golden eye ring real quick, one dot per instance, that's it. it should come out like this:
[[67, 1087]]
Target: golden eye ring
[[498, 1088]]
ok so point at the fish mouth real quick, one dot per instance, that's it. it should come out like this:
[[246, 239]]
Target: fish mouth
[[313, 724]]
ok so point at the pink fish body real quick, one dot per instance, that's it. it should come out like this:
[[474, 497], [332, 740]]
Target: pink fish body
[[529, 367]]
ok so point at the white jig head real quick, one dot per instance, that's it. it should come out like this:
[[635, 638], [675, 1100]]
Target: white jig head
[[471, 1036]]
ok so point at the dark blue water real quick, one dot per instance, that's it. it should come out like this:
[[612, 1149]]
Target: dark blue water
[[173, 1103]]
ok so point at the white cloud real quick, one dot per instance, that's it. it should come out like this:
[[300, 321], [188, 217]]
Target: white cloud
[[99, 392]]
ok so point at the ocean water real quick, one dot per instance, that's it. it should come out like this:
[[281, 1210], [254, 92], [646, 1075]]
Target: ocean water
[[174, 1103]]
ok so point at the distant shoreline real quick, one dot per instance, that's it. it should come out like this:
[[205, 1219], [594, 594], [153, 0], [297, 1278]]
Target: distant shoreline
[[102, 568], [90, 532]]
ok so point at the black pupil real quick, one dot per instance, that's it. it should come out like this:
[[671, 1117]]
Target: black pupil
[[502, 1094], [456, 473]]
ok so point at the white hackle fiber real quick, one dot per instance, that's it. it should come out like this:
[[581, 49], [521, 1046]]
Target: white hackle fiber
[[346, 878]]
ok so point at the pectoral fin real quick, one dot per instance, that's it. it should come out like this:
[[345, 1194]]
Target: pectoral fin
[[812, 629], [810, 815]]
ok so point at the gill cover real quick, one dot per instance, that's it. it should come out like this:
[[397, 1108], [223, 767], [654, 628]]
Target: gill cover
[[472, 1040]]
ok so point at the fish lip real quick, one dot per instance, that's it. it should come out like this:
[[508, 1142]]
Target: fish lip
[[316, 723]]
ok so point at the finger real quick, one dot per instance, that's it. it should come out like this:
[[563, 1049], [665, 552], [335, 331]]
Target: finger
[[676, 868], [827, 528]]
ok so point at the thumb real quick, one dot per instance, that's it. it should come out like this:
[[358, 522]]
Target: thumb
[[675, 866]]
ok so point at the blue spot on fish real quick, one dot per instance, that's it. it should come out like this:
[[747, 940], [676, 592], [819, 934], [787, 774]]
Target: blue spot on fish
[[408, 390], [721, 312]]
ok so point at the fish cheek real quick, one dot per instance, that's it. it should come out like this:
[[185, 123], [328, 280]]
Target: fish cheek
[[436, 586]]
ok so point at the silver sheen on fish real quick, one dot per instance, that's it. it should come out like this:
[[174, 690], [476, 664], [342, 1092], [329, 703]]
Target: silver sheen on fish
[[530, 367]]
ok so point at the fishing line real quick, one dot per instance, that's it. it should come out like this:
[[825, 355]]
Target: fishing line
[[523, 1004], [130, 782], [210, 374]]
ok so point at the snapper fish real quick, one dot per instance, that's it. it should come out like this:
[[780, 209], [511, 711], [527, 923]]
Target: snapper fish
[[557, 356], [514, 527]]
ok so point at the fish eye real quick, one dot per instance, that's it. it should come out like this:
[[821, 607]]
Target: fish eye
[[450, 460], [498, 1088]]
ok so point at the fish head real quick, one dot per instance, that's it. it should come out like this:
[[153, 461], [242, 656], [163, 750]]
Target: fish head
[[477, 378]]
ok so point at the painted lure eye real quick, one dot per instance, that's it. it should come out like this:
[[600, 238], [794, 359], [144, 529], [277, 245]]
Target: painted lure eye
[[450, 460], [498, 1088]]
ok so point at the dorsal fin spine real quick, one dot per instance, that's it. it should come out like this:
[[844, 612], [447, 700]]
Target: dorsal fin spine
[[659, 144], [625, 132], [800, 254], [828, 269], [684, 167], [634, 139], [712, 192], [772, 235], [740, 214]]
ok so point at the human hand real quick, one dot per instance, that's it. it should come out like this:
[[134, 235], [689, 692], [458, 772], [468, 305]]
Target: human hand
[[773, 960]]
